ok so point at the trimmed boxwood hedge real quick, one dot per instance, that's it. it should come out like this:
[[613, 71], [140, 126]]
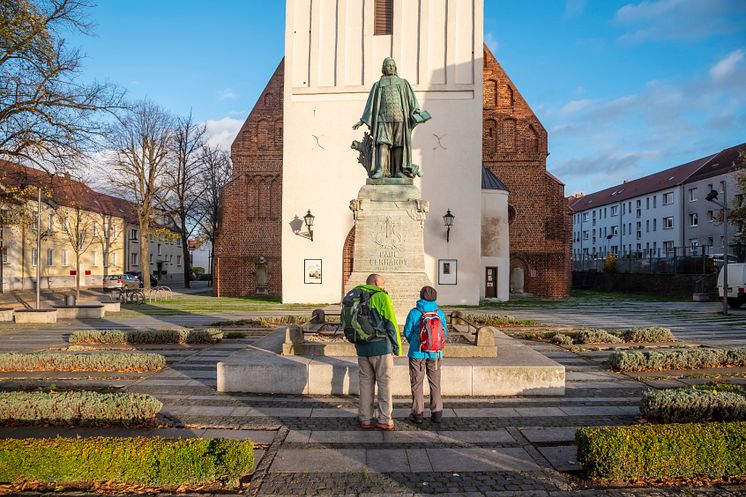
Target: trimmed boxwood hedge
[[78, 408], [677, 359], [145, 336], [663, 451], [682, 405], [596, 335], [98, 361], [148, 461], [650, 334]]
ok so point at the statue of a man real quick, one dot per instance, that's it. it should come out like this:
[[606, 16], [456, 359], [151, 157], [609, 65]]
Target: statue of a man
[[391, 113]]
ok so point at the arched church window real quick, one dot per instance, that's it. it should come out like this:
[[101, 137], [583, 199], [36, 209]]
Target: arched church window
[[506, 97], [490, 138], [509, 133]]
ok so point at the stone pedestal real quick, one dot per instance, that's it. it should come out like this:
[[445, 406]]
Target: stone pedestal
[[389, 220]]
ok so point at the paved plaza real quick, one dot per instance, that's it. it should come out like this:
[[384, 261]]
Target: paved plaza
[[308, 445]]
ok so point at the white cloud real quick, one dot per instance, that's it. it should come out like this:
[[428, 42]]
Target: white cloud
[[596, 142], [679, 20], [222, 132], [574, 106], [227, 94], [726, 66], [573, 8]]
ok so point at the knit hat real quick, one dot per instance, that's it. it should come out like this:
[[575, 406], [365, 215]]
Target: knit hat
[[428, 293]]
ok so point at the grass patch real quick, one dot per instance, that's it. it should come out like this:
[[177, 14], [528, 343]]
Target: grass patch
[[143, 337], [686, 405], [230, 335], [205, 303], [78, 408], [148, 461], [664, 451], [264, 321], [657, 360], [98, 361]]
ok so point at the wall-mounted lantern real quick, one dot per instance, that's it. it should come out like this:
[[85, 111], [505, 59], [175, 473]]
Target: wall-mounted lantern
[[448, 220], [308, 219]]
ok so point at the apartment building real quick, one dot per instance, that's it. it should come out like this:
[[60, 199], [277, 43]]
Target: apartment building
[[85, 234], [659, 215]]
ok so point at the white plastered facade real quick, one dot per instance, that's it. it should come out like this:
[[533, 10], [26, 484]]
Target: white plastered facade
[[332, 58]]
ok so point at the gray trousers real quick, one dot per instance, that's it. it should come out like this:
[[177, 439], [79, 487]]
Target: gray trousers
[[376, 370], [418, 368]]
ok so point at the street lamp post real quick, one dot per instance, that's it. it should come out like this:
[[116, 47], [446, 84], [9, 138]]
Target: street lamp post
[[712, 197]]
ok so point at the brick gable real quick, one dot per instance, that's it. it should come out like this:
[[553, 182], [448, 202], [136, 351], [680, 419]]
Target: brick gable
[[514, 148], [251, 208]]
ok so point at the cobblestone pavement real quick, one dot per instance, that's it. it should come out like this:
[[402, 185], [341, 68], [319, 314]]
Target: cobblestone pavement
[[311, 445]]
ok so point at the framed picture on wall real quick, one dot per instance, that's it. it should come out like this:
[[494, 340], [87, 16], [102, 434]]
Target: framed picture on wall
[[312, 271], [447, 271]]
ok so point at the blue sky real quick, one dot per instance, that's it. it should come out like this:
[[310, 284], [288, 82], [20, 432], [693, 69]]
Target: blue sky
[[623, 88]]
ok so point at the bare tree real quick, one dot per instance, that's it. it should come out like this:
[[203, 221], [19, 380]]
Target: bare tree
[[76, 224], [14, 211], [142, 144], [106, 235], [216, 173], [182, 199], [47, 115]]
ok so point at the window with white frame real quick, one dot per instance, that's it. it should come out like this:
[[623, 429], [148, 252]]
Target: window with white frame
[[585, 235], [64, 258], [586, 217], [692, 194], [50, 222], [655, 224], [615, 230], [134, 234], [113, 259], [34, 257], [693, 219], [94, 258], [614, 210], [668, 198], [694, 242], [668, 246], [710, 216], [95, 228], [133, 259], [50, 257], [668, 222], [178, 260]]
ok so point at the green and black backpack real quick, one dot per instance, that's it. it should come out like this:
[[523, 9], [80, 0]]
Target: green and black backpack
[[361, 322]]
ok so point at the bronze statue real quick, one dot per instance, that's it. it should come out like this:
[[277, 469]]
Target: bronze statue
[[391, 113]]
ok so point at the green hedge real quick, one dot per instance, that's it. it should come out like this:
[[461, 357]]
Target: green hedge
[[682, 405], [677, 359], [149, 461], [596, 335], [662, 451], [145, 336], [649, 334], [83, 408], [497, 320], [99, 361]]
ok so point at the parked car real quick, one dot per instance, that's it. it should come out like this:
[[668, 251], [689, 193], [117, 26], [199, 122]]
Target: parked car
[[138, 277], [719, 258], [119, 281], [736, 284]]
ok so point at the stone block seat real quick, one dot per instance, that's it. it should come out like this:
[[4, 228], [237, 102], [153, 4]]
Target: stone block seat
[[80, 311], [261, 368], [6, 314], [35, 316]]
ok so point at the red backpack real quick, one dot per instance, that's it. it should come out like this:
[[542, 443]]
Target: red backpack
[[432, 333]]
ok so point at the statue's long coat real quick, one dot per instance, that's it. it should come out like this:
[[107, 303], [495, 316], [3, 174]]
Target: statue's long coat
[[409, 108]]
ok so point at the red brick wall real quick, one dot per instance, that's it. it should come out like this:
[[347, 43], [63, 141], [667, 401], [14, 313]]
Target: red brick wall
[[251, 209], [514, 148]]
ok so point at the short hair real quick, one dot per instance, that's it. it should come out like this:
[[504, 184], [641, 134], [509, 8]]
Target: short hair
[[373, 279], [383, 65]]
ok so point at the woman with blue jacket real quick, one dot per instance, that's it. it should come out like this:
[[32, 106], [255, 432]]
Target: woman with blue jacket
[[421, 362]]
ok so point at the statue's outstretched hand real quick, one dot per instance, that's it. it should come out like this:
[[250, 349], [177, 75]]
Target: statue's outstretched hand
[[357, 125]]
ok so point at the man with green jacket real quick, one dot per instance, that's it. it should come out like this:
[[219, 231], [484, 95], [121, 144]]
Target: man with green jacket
[[375, 358]]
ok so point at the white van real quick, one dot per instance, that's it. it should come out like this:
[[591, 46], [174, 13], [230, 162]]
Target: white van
[[736, 284]]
